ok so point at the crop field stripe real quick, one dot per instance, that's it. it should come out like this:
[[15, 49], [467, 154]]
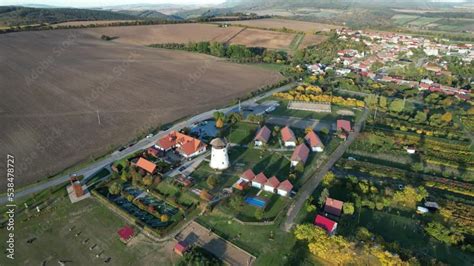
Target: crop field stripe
[[297, 41]]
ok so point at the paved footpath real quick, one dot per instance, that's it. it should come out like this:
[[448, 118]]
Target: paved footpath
[[310, 185], [142, 144]]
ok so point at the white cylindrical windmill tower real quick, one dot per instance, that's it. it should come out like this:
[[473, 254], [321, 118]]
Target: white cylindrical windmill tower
[[219, 157]]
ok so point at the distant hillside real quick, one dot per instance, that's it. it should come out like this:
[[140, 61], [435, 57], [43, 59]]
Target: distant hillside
[[265, 4], [149, 14], [15, 15]]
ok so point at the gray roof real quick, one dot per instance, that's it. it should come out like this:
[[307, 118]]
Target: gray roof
[[218, 143]]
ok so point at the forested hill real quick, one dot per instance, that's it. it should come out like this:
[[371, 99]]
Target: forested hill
[[15, 15], [261, 4]]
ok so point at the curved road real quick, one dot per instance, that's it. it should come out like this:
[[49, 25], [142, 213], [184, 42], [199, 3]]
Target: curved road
[[310, 185], [142, 144]]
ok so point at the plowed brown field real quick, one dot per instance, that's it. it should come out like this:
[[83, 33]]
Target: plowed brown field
[[54, 84]]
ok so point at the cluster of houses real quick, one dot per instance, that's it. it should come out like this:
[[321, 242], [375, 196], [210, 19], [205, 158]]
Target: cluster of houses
[[301, 152], [260, 181], [332, 207], [386, 48]]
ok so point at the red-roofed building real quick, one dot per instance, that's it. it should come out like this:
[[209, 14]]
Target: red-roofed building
[[314, 141], [248, 175], [325, 223], [180, 248], [259, 181], [262, 137], [146, 165], [284, 188], [333, 206], [343, 128], [271, 184], [126, 233], [343, 125], [186, 145], [288, 137], [300, 155]]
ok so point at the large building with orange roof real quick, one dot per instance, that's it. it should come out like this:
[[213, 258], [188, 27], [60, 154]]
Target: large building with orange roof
[[186, 145]]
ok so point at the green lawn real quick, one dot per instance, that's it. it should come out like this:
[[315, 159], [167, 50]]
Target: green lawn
[[295, 43], [242, 133], [185, 197], [281, 249], [53, 241], [166, 188], [241, 159]]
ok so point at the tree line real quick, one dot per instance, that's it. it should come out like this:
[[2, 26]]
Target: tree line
[[235, 52]]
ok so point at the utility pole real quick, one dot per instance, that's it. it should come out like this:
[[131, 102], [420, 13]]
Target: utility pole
[[376, 106], [98, 116]]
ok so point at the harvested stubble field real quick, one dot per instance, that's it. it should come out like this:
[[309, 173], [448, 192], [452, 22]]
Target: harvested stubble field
[[195, 32], [311, 39], [278, 24], [262, 38], [168, 33], [52, 84]]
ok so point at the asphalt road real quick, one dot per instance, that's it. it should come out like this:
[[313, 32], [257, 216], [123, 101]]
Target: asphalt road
[[310, 185], [142, 144]]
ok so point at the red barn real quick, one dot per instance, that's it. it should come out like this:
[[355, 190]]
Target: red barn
[[325, 223]]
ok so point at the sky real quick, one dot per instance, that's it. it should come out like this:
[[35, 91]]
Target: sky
[[97, 3]]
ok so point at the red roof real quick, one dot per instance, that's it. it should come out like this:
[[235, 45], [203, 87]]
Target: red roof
[[146, 165], [285, 186], [325, 223], [187, 144], [248, 175], [180, 247], [263, 134], [273, 182], [260, 179], [313, 139], [333, 206], [125, 232], [300, 154], [287, 134], [344, 125]]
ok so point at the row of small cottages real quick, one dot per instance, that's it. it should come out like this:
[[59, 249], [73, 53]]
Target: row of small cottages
[[260, 181]]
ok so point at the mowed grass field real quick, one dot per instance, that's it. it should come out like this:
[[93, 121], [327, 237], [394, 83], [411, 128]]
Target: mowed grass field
[[95, 224], [58, 85], [278, 24]]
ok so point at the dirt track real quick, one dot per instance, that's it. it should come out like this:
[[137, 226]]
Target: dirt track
[[57, 85]]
